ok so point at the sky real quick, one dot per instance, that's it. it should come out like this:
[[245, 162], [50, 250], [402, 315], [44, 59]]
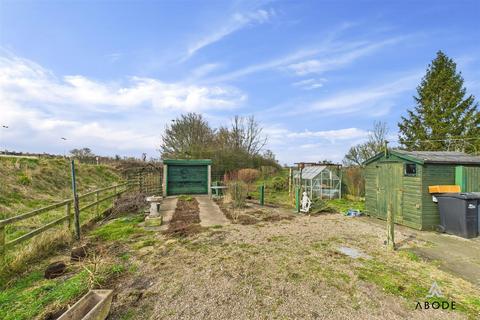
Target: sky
[[110, 75]]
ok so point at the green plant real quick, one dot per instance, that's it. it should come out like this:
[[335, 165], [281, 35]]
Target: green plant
[[237, 190], [185, 198], [24, 180], [119, 229], [319, 206], [279, 183]]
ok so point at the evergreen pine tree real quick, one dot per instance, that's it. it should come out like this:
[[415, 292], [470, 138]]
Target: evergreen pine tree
[[443, 114]]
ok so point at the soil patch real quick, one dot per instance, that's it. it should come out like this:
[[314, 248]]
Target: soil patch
[[185, 220], [252, 213]]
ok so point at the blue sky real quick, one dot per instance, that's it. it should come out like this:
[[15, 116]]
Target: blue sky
[[110, 75]]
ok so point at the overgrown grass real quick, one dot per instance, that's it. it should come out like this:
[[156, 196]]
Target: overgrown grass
[[30, 295], [31, 183], [407, 278], [343, 205], [120, 229]]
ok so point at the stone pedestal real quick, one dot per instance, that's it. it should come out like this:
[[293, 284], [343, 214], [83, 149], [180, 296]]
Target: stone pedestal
[[154, 206]]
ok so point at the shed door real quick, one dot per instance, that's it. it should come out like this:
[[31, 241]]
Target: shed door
[[389, 189], [187, 179]]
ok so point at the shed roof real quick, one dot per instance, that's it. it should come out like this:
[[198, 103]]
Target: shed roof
[[440, 157], [310, 172], [188, 162]]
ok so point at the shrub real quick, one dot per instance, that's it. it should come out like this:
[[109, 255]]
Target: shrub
[[248, 175], [24, 180], [268, 170], [354, 181], [237, 191], [319, 206], [279, 184]]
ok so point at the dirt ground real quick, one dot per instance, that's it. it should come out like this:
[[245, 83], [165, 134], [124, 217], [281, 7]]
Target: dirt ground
[[283, 269]]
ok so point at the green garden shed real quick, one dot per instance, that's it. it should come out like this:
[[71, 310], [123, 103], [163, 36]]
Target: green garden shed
[[401, 178], [186, 177]]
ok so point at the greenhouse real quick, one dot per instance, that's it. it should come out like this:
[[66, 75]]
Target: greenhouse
[[319, 181]]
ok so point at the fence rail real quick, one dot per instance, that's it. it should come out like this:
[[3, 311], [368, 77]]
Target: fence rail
[[4, 245]]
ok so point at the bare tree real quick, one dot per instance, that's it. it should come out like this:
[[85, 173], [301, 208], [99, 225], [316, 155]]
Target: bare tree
[[189, 136], [246, 134], [375, 144]]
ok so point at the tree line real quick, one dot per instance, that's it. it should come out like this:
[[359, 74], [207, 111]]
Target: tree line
[[241, 144]]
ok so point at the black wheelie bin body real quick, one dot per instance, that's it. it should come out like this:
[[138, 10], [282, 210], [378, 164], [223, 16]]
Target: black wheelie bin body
[[459, 213]]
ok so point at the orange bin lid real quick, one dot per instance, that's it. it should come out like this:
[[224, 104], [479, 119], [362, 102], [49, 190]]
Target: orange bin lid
[[444, 189]]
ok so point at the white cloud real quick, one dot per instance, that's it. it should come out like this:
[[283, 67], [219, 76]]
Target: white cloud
[[26, 81], [341, 134], [374, 100], [236, 22], [329, 55], [110, 117], [321, 65], [309, 84], [312, 145]]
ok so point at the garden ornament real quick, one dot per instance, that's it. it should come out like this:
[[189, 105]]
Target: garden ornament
[[306, 203]]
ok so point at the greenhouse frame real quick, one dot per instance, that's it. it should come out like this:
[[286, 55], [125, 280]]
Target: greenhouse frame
[[319, 181]]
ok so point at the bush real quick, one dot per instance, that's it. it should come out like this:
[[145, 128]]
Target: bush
[[248, 175], [237, 191], [279, 184], [354, 181], [268, 170], [319, 206]]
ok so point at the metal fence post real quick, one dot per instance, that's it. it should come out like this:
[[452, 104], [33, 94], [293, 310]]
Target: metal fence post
[[262, 195], [76, 207]]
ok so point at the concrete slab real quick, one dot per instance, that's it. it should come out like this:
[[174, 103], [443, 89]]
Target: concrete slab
[[167, 208], [210, 213]]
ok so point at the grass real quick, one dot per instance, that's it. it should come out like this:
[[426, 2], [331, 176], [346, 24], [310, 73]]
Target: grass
[[33, 183], [185, 198], [29, 296], [343, 205], [119, 229]]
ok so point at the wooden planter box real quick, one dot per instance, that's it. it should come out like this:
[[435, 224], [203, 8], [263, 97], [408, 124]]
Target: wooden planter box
[[95, 305]]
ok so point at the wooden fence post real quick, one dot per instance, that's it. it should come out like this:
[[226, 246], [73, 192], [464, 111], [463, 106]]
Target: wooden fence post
[[390, 228], [97, 197], [2, 241], [115, 197], [76, 207], [68, 213]]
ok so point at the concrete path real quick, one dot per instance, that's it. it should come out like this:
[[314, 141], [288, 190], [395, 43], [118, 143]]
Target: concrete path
[[210, 213], [456, 255], [167, 208]]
